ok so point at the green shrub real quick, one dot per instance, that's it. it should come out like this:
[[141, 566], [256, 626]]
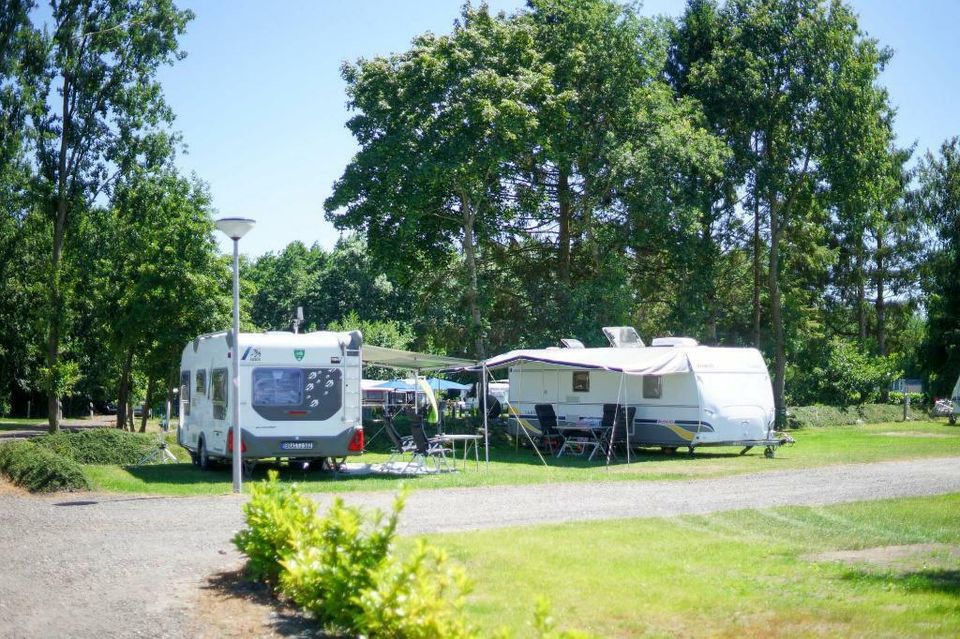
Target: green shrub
[[916, 399], [99, 446], [337, 560], [819, 415], [421, 596], [277, 515], [40, 470]]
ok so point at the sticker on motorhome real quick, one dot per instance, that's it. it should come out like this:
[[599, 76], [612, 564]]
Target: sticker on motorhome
[[299, 353]]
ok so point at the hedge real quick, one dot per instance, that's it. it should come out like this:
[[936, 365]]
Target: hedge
[[40, 470], [821, 415], [99, 446]]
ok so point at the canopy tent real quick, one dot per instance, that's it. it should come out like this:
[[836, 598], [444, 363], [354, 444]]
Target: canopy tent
[[409, 360], [416, 362]]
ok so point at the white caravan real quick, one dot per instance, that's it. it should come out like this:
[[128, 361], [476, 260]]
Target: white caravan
[[681, 394], [299, 396]]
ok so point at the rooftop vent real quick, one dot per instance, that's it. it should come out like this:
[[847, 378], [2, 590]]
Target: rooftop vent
[[674, 341], [623, 337], [569, 342]]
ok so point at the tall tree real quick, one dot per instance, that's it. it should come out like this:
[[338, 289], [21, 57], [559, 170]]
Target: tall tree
[[96, 108], [784, 63], [938, 198], [436, 126]]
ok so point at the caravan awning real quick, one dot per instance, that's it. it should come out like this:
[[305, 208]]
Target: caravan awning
[[396, 358], [632, 361]]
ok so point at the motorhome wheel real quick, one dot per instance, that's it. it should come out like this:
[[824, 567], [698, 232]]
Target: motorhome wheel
[[203, 458], [953, 420], [768, 452]]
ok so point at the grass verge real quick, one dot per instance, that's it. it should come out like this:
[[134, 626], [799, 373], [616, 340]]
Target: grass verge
[[815, 447], [753, 573]]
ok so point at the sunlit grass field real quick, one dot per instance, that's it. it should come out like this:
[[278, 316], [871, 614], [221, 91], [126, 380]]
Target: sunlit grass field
[[509, 465], [752, 573]]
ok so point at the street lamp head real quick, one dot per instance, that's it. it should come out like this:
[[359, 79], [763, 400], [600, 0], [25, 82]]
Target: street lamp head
[[235, 227]]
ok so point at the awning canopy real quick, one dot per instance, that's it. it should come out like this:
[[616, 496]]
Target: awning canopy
[[632, 361], [409, 360]]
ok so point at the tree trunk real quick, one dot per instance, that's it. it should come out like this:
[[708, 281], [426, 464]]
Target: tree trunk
[[756, 266], [861, 293], [776, 318], [56, 310], [565, 211], [881, 303], [146, 404], [470, 258], [709, 275], [123, 392]]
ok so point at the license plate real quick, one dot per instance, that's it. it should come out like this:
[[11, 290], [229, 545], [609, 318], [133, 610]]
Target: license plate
[[296, 446]]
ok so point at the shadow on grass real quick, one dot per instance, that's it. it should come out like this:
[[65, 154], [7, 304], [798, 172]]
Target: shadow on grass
[[935, 580], [187, 474], [231, 590]]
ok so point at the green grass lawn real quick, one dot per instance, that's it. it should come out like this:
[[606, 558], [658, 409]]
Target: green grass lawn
[[751, 573], [815, 447]]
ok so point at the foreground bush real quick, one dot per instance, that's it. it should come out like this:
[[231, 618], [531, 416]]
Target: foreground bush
[[819, 416], [99, 446], [40, 470], [277, 517]]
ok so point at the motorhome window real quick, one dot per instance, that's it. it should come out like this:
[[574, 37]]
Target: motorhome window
[[652, 386], [202, 382], [581, 382], [277, 386], [218, 383], [185, 389]]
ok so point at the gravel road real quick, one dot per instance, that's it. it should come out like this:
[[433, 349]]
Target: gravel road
[[82, 565]]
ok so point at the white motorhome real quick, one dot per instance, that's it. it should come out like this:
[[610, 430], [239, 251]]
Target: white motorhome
[[680, 394], [299, 396]]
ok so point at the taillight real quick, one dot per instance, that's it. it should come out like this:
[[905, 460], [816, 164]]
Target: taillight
[[243, 444], [356, 442]]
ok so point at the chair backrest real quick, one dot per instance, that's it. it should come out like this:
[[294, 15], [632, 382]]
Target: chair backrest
[[394, 436], [547, 418], [609, 414], [419, 437], [622, 421]]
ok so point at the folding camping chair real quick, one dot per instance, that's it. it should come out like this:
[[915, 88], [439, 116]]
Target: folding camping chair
[[550, 438], [615, 422], [400, 445], [427, 449]]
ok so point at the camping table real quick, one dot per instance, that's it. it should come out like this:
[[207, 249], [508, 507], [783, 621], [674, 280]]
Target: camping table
[[590, 425], [467, 440]]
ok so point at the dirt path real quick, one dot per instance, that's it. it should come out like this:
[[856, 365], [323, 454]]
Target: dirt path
[[81, 565]]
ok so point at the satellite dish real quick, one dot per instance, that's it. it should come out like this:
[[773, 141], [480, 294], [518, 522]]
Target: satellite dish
[[623, 337]]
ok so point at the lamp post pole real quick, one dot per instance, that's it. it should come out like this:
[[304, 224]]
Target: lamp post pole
[[235, 228]]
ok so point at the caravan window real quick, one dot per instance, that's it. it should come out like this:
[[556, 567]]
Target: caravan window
[[218, 383], [202, 382], [185, 390], [277, 386], [581, 382], [652, 386]]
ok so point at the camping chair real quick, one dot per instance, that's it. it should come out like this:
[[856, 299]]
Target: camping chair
[[426, 449], [550, 438], [400, 445], [616, 420]]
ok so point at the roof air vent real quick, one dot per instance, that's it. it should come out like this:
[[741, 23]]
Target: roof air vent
[[569, 342], [623, 337]]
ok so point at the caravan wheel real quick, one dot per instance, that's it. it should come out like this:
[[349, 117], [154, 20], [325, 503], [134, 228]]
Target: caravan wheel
[[768, 452], [953, 420]]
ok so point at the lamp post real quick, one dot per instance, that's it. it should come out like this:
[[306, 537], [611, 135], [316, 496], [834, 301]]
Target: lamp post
[[235, 228]]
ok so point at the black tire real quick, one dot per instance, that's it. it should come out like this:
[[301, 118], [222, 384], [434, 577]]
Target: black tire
[[203, 459], [769, 452], [194, 458], [953, 420]]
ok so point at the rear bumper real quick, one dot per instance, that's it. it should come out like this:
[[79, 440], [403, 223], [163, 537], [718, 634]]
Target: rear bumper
[[265, 446]]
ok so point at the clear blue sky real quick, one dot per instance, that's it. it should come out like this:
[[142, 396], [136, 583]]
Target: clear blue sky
[[261, 104]]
